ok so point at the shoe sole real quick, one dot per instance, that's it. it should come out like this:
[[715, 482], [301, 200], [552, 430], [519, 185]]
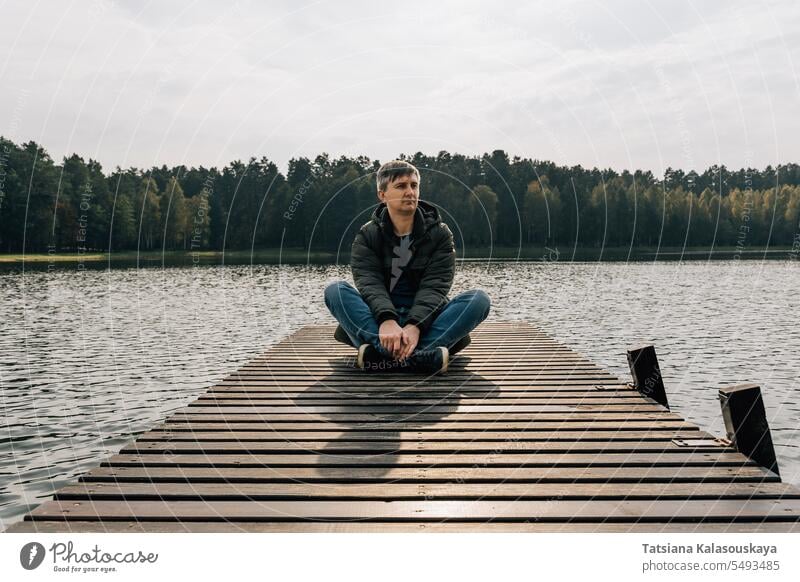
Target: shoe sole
[[445, 360], [362, 349]]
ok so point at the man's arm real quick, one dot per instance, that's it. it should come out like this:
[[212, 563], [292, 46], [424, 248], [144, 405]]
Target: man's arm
[[436, 282], [368, 277]]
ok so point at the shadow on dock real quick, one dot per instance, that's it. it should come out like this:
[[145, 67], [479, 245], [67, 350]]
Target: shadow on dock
[[409, 402]]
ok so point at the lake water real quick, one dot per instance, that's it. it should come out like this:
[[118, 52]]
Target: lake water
[[90, 359]]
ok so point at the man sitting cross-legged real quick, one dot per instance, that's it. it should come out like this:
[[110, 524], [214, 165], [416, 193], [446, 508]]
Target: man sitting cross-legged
[[403, 263]]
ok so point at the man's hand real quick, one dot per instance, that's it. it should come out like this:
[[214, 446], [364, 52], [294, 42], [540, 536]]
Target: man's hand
[[391, 336], [410, 340]]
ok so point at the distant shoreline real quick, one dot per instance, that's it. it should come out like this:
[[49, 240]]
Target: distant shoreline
[[96, 260]]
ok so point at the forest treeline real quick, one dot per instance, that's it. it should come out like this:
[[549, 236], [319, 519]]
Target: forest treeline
[[319, 204]]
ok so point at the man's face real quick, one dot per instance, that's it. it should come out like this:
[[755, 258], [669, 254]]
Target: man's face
[[402, 195]]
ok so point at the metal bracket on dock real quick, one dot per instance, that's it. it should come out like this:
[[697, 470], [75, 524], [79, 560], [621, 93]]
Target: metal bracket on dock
[[746, 424], [646, 373]]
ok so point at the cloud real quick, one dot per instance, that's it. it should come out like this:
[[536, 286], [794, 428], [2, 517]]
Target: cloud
[[620, 84]]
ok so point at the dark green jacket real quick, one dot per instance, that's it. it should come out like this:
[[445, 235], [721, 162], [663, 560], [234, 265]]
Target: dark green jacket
[[430, 270]]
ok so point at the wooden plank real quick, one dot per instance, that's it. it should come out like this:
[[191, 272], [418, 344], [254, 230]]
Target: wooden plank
[[186, 433], [354, 373], [475, 350], [408, 491], [344, 364], [320, 354], [408, 382], [209, 446], [311, 369], [385, 381], [431, 459], [381, 400], [596, 398], [395, 527], [464, 510], [533, 359], [265, 399], [744, 473], [541, 410], [523, 357], [415, 416], [593, 398], [530, 426], [422, 397]]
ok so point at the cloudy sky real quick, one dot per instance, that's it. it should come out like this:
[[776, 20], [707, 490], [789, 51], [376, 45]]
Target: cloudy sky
[[623, 84]]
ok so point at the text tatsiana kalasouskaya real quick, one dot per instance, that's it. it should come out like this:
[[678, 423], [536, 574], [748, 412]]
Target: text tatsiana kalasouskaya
[[712, 548]]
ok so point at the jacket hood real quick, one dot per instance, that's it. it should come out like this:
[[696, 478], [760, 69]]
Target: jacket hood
[[425, 217]]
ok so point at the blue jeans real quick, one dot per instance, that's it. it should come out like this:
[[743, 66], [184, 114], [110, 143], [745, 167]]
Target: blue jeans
[[460, 316]]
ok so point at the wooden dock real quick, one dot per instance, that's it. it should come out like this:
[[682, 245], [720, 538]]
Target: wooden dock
[[523, 435]]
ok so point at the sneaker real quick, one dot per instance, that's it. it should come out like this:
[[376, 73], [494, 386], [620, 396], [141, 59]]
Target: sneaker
[[433, 361], [460, 345], [372, 360], [368, 356]]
